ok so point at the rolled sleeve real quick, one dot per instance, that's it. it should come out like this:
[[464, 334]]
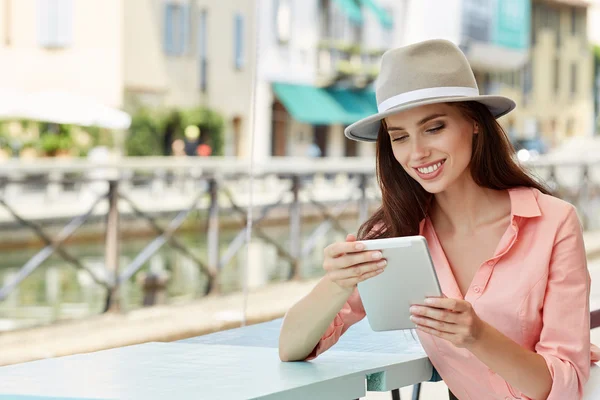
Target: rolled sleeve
[[352, 312], [565, 337]]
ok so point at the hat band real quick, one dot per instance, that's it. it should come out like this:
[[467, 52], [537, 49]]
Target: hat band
[[427, 93]]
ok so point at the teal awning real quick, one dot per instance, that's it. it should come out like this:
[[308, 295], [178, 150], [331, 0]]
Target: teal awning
[[357, 104], [351, 9], [384, 18], [320, 106]]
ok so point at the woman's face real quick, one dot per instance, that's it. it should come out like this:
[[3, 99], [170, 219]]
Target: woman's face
[[433, 143]]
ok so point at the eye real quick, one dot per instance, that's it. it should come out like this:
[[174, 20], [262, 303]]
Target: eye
[[400, 138], [436, 128]]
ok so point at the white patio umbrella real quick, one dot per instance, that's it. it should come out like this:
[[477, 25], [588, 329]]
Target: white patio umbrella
[[11, 100], [69, 108]]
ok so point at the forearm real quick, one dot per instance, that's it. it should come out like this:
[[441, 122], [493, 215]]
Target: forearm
[[523, 369], [306, 322]]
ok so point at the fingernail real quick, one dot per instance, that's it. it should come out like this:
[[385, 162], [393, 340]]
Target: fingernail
[[413, 309], [379, 271], [429, 300], [382, 263], [359, 246], [377, 255]]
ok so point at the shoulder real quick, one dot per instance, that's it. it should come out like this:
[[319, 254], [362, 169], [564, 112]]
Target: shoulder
[[554, 208], [551, 214]]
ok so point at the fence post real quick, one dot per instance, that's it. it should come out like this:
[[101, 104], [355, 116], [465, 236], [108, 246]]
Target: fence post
[[295, 228], [111, 249], [213, 232]]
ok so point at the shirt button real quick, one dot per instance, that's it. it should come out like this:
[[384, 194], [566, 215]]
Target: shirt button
[[490, 263], [477, 289]]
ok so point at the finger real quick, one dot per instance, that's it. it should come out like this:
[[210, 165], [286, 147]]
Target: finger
[[439, 314], [443, 335], [357, 270], [350, 238], [340, 248], [438, 325], [455, 305], [357, 279], [352, 259]]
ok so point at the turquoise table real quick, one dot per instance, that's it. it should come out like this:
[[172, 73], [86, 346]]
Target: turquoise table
[[236, 364]]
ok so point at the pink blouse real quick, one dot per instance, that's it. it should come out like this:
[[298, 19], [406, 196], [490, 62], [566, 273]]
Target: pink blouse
[[534, 289]]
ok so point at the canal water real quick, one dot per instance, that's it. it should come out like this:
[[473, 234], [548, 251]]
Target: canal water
[[57, 290]]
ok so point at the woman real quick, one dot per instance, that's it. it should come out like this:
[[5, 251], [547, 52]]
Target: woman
[[510, 258]]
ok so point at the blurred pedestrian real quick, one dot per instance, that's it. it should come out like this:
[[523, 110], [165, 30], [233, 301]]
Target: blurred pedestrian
[[192, 135], [178, 148]]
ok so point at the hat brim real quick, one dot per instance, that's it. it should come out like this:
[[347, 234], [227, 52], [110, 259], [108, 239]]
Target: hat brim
[[367, 129]]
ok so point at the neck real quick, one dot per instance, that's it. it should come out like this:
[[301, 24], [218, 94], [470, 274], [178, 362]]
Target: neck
[[466, 206]]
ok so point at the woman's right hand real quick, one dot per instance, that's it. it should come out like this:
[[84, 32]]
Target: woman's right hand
[[347, 263]]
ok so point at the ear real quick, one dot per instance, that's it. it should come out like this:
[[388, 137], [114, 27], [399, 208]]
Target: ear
[[475, 128]]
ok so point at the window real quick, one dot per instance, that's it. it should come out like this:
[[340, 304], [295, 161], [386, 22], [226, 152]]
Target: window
[[556, 75], [283, 21], [535, 12], [55, 23], [202, 51], [558, 30], [573, 79], [388, 33], [176, 29], [527, 82], [238, 46]]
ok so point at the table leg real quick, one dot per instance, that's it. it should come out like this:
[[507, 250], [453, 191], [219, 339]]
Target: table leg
[[416, 391]]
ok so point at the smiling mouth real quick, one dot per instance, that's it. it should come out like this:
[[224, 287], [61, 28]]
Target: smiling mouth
[[431, 169]]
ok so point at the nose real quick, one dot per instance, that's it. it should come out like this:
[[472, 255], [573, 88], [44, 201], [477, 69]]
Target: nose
[[419, 150]]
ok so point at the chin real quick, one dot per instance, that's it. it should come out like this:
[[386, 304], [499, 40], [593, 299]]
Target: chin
[[433, 187]]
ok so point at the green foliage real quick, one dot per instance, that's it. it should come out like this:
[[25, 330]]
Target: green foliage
[[596, 52], [55, 138], [51, 143], [145, 134], [99, 136], [148, 128]]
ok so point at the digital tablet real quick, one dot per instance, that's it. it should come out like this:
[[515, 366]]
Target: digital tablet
[[408, 278]]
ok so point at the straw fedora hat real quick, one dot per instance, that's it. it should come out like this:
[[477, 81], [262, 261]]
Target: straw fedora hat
[[433, 71]]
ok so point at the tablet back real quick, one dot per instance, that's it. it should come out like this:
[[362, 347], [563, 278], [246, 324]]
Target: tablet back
[[408, 278]]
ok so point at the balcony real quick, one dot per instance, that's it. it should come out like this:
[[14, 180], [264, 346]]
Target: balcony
[[346, 62]]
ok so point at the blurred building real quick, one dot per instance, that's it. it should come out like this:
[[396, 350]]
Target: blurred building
[[554, 90], [319, 58], [593, 28], [126, 53]]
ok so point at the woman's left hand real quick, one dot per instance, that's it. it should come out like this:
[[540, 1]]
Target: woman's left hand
[[450, 319]]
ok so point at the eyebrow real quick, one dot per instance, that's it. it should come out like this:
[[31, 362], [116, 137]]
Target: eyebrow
[[421, 122]]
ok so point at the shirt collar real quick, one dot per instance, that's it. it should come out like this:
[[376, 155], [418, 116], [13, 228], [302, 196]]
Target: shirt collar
[[523, 202]]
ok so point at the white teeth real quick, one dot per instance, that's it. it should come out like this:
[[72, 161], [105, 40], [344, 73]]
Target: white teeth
[[430, 169]]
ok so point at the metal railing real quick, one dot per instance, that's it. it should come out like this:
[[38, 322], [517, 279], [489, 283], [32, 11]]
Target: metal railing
[[74, 192], [217, 187]]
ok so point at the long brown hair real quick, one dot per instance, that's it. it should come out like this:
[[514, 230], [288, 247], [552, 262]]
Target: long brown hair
[[404, 201]]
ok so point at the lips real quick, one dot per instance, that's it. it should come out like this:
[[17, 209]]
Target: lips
[[431, 170]]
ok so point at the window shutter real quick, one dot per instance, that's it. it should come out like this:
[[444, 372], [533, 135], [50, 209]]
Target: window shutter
[[55, 23], [42, 22], [64, 22], [239, 41], [168, 29], [185, 30]]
